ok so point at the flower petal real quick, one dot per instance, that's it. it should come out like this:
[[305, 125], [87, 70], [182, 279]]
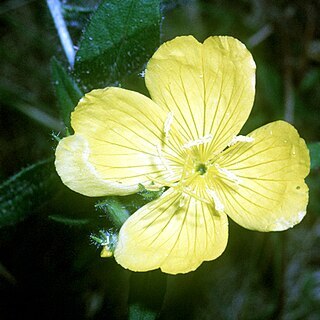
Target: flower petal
[[175, 232], [208, 87], [117, 144], [262, 182]]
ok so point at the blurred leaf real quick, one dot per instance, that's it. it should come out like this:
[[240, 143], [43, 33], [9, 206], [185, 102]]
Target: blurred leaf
[[314, 50], [314, 149], [67, 92], [269, 86], [76, 13], [310, 80], [119, 40], [147, 291], [69, 221], [4, 273], [26, 191]]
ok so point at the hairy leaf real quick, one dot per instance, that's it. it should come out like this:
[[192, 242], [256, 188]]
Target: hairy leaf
[[119, 40], [67, 91], [26, 191]]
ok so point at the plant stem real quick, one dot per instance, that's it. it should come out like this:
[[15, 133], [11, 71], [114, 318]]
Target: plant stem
[[260, 36], [60, 24]]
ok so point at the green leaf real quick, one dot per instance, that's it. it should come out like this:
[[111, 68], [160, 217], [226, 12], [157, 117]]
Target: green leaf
[[310, 80], [26, 191], [69, 221], [146, 296], [314, 149], [67, 91], [118, 41]]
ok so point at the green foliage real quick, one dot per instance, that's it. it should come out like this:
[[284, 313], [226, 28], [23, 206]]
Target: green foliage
[[314, 149], [310, 81], [119, 39], [118, 209], [27, 191], [67, 91], [149, 195]]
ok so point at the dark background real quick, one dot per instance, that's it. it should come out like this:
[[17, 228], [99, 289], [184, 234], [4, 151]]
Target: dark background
[[51, 270]]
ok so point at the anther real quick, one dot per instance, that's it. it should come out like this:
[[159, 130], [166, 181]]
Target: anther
[[240, 139], [197, 142], [217, 203], [167, 124]]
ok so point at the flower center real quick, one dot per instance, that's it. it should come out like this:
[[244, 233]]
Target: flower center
[[201, 168]]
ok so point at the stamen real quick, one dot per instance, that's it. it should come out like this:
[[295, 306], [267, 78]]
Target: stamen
[[180, 186], [240, 139], [194, 195], [167, 124], [197, 142], [217, 203]]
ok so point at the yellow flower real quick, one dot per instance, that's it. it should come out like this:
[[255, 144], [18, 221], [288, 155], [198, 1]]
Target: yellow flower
[[185, 138]]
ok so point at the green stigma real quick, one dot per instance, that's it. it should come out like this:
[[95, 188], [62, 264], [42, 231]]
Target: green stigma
[[201, 168]]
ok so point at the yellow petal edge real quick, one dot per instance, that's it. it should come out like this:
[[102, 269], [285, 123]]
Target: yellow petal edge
[[208, 87], [270, 193], [116, 143], [174, 237]]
